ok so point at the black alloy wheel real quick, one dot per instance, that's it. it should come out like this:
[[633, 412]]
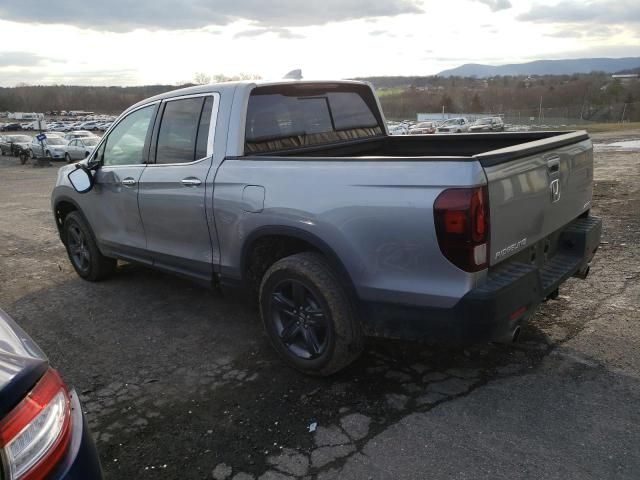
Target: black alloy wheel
[[302, 324], [308, 315], [78, 248]]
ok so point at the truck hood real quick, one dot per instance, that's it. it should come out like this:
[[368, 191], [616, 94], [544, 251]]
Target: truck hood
[[22, 363]]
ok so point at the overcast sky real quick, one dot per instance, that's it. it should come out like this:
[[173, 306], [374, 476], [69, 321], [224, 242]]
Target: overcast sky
[[135, 42]]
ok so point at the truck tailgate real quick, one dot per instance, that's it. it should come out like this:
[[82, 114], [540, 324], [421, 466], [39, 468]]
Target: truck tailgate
[[544, 186]]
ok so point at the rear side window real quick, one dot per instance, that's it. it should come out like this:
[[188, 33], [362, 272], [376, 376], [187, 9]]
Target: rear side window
[[184, 130], [293, 119]]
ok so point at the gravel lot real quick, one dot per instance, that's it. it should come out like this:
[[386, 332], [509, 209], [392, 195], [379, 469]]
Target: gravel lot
[[180, 382]]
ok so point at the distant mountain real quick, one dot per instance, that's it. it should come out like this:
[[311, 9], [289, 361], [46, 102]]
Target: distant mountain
[[545, 67]]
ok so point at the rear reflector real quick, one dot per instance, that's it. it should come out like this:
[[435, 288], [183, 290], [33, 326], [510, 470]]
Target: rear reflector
[[517, 314], [462, 226], [35, 435]]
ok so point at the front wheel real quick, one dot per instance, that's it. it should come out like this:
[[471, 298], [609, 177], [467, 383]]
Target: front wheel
[[83, 251], [67, 158], [308, 316]]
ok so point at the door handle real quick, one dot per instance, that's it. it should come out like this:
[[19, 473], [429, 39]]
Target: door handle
[[191, 182], [553, 164], [128, 182]]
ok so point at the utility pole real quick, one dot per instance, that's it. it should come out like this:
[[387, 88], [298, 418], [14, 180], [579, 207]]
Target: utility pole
[[540, 111], [623, 111]]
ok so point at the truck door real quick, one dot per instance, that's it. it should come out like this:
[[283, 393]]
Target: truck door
[[113, 211], [173, 187]]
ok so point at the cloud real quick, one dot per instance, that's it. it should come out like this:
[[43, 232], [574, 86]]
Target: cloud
[[585, 31], [281, 32], [585, 11], [20, 59], [496, 5], [126, 15], [40, 76]]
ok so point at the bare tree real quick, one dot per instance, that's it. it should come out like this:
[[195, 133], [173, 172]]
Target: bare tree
[[201, 78]]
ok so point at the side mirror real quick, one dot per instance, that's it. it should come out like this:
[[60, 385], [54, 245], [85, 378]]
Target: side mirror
[[81, 179]]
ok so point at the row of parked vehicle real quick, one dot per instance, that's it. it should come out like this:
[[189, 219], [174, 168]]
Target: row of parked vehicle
[[70, 146], [452, 125]]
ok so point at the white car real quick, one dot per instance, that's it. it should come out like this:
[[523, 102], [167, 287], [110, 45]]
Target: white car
[[80, 148], [51, 147], [454, 125], [488, 124], [78, 134]]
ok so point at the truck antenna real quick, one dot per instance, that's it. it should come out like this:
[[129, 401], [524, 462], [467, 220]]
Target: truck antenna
[[294, 74]]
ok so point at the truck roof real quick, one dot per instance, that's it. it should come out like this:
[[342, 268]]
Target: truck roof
[[244, 84]]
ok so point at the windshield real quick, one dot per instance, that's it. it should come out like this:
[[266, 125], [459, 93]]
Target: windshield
[[483, 121], [55, 141], [453, 121], [20, 138]]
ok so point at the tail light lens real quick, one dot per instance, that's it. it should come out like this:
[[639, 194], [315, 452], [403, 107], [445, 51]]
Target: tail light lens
[[462, 227], [35, 435]]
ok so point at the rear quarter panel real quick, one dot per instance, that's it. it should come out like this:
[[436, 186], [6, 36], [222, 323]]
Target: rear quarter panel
[[375, 215]]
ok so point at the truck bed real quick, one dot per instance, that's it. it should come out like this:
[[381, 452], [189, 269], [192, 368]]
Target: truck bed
[[488, 148]]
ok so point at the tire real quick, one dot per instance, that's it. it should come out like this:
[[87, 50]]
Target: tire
[[31, 155], [47, 154], [307, 315], [83, 251], [67, 158]]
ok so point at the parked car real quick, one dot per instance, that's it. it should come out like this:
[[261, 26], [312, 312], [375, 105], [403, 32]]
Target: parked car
[[400, 128], [423, 128], [78, 134], [294, 192], [80, 148], [11, 127], [52, 147], [91, 125], [454, 125], [9, 144], [487, 124], [56, 134], [43, 432]]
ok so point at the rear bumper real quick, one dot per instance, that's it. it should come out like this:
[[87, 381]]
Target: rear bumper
[[81, 461], [493, 311]]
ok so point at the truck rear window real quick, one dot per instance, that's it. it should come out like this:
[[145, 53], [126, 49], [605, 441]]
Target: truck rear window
[[279, 121]]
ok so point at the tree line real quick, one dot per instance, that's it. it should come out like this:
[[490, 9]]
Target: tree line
[[585, 96]]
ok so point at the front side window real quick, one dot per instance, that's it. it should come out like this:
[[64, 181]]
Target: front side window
[[180, 138], [125, 144]]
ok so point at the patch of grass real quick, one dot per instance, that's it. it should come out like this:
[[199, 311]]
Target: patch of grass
[[607, 127]]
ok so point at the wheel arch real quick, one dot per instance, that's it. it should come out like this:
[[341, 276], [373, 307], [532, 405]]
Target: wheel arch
[[300, 238], [62, 207]]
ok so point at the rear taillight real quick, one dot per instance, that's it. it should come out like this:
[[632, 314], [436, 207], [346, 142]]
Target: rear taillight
[[462, 226], [35, 435]]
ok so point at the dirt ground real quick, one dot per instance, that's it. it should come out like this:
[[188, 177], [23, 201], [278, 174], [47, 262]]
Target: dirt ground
[[180, 382]]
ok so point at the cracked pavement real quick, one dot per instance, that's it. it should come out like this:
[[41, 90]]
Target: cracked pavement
[[180, 382]]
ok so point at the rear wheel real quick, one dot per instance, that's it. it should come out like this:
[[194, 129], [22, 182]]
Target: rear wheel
[[83, 251], [308, 316]]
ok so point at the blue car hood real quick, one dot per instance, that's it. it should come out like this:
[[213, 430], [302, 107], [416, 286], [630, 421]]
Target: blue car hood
[[22, 363]]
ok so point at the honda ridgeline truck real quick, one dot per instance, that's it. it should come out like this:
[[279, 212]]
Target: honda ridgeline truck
[[295, 192]]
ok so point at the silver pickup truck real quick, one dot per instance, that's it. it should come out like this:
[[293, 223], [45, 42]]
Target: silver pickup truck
[[294, 192]]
